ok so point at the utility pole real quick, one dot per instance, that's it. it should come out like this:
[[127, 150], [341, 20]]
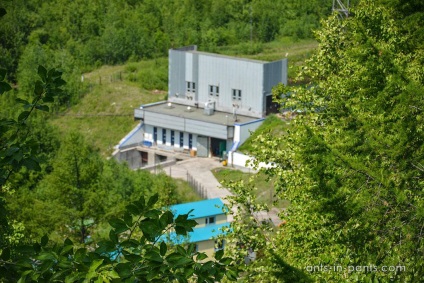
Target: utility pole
[[342, 7]]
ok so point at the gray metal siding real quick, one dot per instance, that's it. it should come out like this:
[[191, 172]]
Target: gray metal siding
[[202, 146], [229, 74], [274, 73], [185, 125], [164, 121], [176, 76], [206, 129]]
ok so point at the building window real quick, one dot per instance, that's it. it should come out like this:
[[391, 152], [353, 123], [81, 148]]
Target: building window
[[190, 141], [163, 136], [155, 134], [214, 90], [210, 220], [172, 137], [219, 244], [191, 87], [181, 139], [236, 94]]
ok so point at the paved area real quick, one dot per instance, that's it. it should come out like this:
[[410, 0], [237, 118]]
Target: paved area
[[197, 171]]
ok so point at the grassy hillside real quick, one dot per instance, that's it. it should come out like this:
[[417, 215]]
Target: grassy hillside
[[272, 125], [297, 51], [105, 114], [264, 186]]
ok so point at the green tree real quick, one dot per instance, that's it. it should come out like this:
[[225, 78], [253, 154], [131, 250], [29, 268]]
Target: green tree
[[74, 185], [352, 163]]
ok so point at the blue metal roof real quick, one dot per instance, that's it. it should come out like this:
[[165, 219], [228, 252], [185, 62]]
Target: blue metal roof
[[199, 234], [203, 208]]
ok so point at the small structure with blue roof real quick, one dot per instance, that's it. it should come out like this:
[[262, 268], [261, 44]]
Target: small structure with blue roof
[[211, 219]]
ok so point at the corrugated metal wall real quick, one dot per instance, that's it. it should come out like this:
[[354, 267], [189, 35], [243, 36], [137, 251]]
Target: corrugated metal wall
[[206, 129], [176, 76], [255, 79], [185, 125], [229, 74], [164, 121], [274, 72]]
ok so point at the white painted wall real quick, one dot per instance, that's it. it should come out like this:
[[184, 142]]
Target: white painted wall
[[239, 159], [148, 136], [242, 131]]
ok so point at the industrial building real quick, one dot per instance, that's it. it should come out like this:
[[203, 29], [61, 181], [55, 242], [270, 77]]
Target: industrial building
[[214, 102]]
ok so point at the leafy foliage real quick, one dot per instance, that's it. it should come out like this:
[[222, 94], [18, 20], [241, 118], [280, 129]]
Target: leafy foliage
[[352, 164], [121, 258]]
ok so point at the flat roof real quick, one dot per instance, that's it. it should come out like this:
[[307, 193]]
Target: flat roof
[[203, 208], [193, 49], [228, 57], [180, 110]]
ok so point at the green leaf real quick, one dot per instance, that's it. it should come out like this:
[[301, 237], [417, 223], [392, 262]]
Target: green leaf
[[113, 236], [150, 228], [133, 209], [163, 248], [180, 230], [38, 88], [154, 214], [219, 254], [128, 219], [181, 250], [167, 218], [37, 247], [201, 256], [68, 242], [226, 260], [113, 274], [44, 240], [54, 74], [3, 73], [59, 82], [4, 87], [2, 12], [118, 224], [153, 199], [31, 164], [132, 257], [24, 115], [42, 72], [80, 254], [42, 107], [232, 275], [105, 247], [124, 269], [22, 101], [131, 243], [153, 256], [5, 254], [46, 256], [66, 249], [92, 271]]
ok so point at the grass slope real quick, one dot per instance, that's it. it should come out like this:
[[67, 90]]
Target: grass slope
[[264, 185], [272, 125], [105, 114]]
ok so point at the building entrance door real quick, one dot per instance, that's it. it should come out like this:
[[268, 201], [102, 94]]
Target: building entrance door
[[202, 146], [218, 146]]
